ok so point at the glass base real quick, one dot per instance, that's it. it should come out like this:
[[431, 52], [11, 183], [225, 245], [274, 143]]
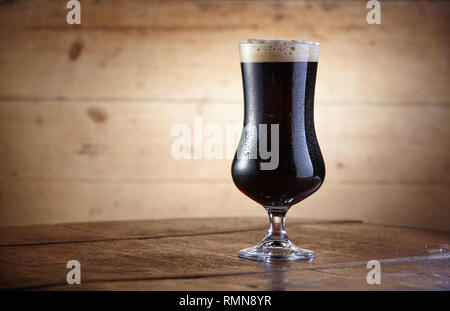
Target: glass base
[[276, 244], [273, 249]]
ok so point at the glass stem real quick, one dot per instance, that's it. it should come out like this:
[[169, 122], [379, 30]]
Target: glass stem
[[277, 229]]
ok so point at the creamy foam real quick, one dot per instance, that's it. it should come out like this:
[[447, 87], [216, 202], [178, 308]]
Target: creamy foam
[[259, 51]]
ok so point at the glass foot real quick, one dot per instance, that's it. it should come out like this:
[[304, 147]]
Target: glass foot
[[268, 250], [276, 244]]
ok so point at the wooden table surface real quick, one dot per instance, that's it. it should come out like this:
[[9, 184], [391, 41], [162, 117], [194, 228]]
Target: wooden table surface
[[201, 254]]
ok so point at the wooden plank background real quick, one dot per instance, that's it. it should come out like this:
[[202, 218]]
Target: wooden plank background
[[86, 110]]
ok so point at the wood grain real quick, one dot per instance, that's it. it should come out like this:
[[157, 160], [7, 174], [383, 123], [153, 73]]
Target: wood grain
[[131, 140], [86, 110], [62, 160], [179, 50], [205, 258], [55, 202]]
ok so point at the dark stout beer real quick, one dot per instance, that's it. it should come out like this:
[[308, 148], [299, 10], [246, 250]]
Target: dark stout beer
[[279, 89]]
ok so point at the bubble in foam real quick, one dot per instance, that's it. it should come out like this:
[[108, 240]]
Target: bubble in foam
[[257, 50]]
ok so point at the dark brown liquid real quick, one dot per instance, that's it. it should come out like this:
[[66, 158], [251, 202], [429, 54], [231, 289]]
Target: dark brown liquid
[[281, 93]]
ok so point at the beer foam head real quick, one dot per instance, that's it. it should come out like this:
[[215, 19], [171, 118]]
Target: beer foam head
[[256, 51]]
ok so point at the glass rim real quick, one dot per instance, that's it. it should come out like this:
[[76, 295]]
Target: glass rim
[[291, 42]]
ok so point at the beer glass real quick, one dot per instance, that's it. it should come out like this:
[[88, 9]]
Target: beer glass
[[278, 162]]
